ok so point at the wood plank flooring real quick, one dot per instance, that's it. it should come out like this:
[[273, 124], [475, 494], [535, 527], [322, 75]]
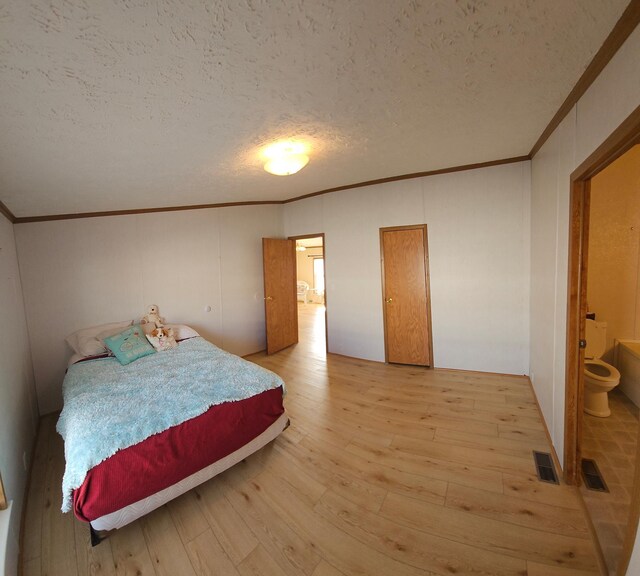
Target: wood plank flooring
[[385, 470]]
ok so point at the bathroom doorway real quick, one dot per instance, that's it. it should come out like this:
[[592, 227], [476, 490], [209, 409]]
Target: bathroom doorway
[[615, 555], [610, 441], [311, 293]]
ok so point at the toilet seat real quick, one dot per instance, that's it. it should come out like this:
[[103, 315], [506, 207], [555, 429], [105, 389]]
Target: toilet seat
[[602, 372]]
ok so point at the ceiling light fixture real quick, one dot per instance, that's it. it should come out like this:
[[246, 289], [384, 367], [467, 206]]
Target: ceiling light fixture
[[285, 158], [300, 248]]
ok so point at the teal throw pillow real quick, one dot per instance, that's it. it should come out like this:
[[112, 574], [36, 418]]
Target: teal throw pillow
[[129, 345]]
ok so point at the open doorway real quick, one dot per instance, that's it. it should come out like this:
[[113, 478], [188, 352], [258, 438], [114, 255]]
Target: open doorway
[[311, 293], [612, 332], [580, 443]]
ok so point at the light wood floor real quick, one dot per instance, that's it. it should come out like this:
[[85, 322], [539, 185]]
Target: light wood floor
[[385, 470]]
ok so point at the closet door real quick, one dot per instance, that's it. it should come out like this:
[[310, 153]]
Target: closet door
[[405, 290]]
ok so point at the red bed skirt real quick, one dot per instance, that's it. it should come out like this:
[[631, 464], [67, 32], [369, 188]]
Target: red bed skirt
[[163, 459]]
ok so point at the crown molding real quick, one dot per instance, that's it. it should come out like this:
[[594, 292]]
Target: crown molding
[[7, 213], [49, 218], [52, 217], [413, 175]]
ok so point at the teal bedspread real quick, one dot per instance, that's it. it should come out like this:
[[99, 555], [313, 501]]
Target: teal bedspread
[[108, 407]]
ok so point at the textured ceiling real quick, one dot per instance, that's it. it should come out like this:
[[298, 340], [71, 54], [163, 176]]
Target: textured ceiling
[[115, 105]]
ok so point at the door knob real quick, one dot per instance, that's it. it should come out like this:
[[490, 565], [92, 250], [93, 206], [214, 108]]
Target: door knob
[[268, 298], [388, 300]]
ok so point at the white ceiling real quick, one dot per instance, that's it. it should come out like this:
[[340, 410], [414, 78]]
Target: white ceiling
[[116, 105]]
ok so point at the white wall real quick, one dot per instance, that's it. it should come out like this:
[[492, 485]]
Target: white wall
[[549, 259], [18, 409], [79, 273], [609, 100], [478, 232]]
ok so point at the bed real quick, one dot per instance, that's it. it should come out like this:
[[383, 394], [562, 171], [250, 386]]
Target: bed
[[138, 435]]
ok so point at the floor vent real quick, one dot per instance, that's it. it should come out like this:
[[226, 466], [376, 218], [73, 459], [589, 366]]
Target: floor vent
[[593, 479], [544, 467]]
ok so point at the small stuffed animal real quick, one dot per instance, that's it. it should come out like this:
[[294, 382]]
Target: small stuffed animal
[[162, 338], [153, 316]]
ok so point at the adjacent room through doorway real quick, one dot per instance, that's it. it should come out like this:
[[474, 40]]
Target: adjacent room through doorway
[[601, 408], [311, 293], [612, 397]]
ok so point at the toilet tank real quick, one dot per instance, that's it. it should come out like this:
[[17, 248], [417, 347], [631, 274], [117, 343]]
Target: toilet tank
[[595, 334]]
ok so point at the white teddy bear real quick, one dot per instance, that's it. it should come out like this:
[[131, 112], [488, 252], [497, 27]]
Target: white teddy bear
[[153, 316]]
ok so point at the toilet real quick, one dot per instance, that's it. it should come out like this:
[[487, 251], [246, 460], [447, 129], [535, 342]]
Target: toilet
[[599, 377]]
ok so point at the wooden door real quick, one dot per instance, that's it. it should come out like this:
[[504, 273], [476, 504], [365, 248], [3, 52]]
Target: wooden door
[[280, 305], [405, 291]]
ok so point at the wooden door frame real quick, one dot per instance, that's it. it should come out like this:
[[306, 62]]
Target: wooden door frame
[[324, 257], [427, 279], [620, 141]]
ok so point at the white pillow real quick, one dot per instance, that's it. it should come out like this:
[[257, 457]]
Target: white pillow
[[180, 331], [86, 342]]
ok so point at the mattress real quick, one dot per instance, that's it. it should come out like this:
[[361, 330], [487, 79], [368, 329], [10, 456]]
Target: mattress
[[165, 459]]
